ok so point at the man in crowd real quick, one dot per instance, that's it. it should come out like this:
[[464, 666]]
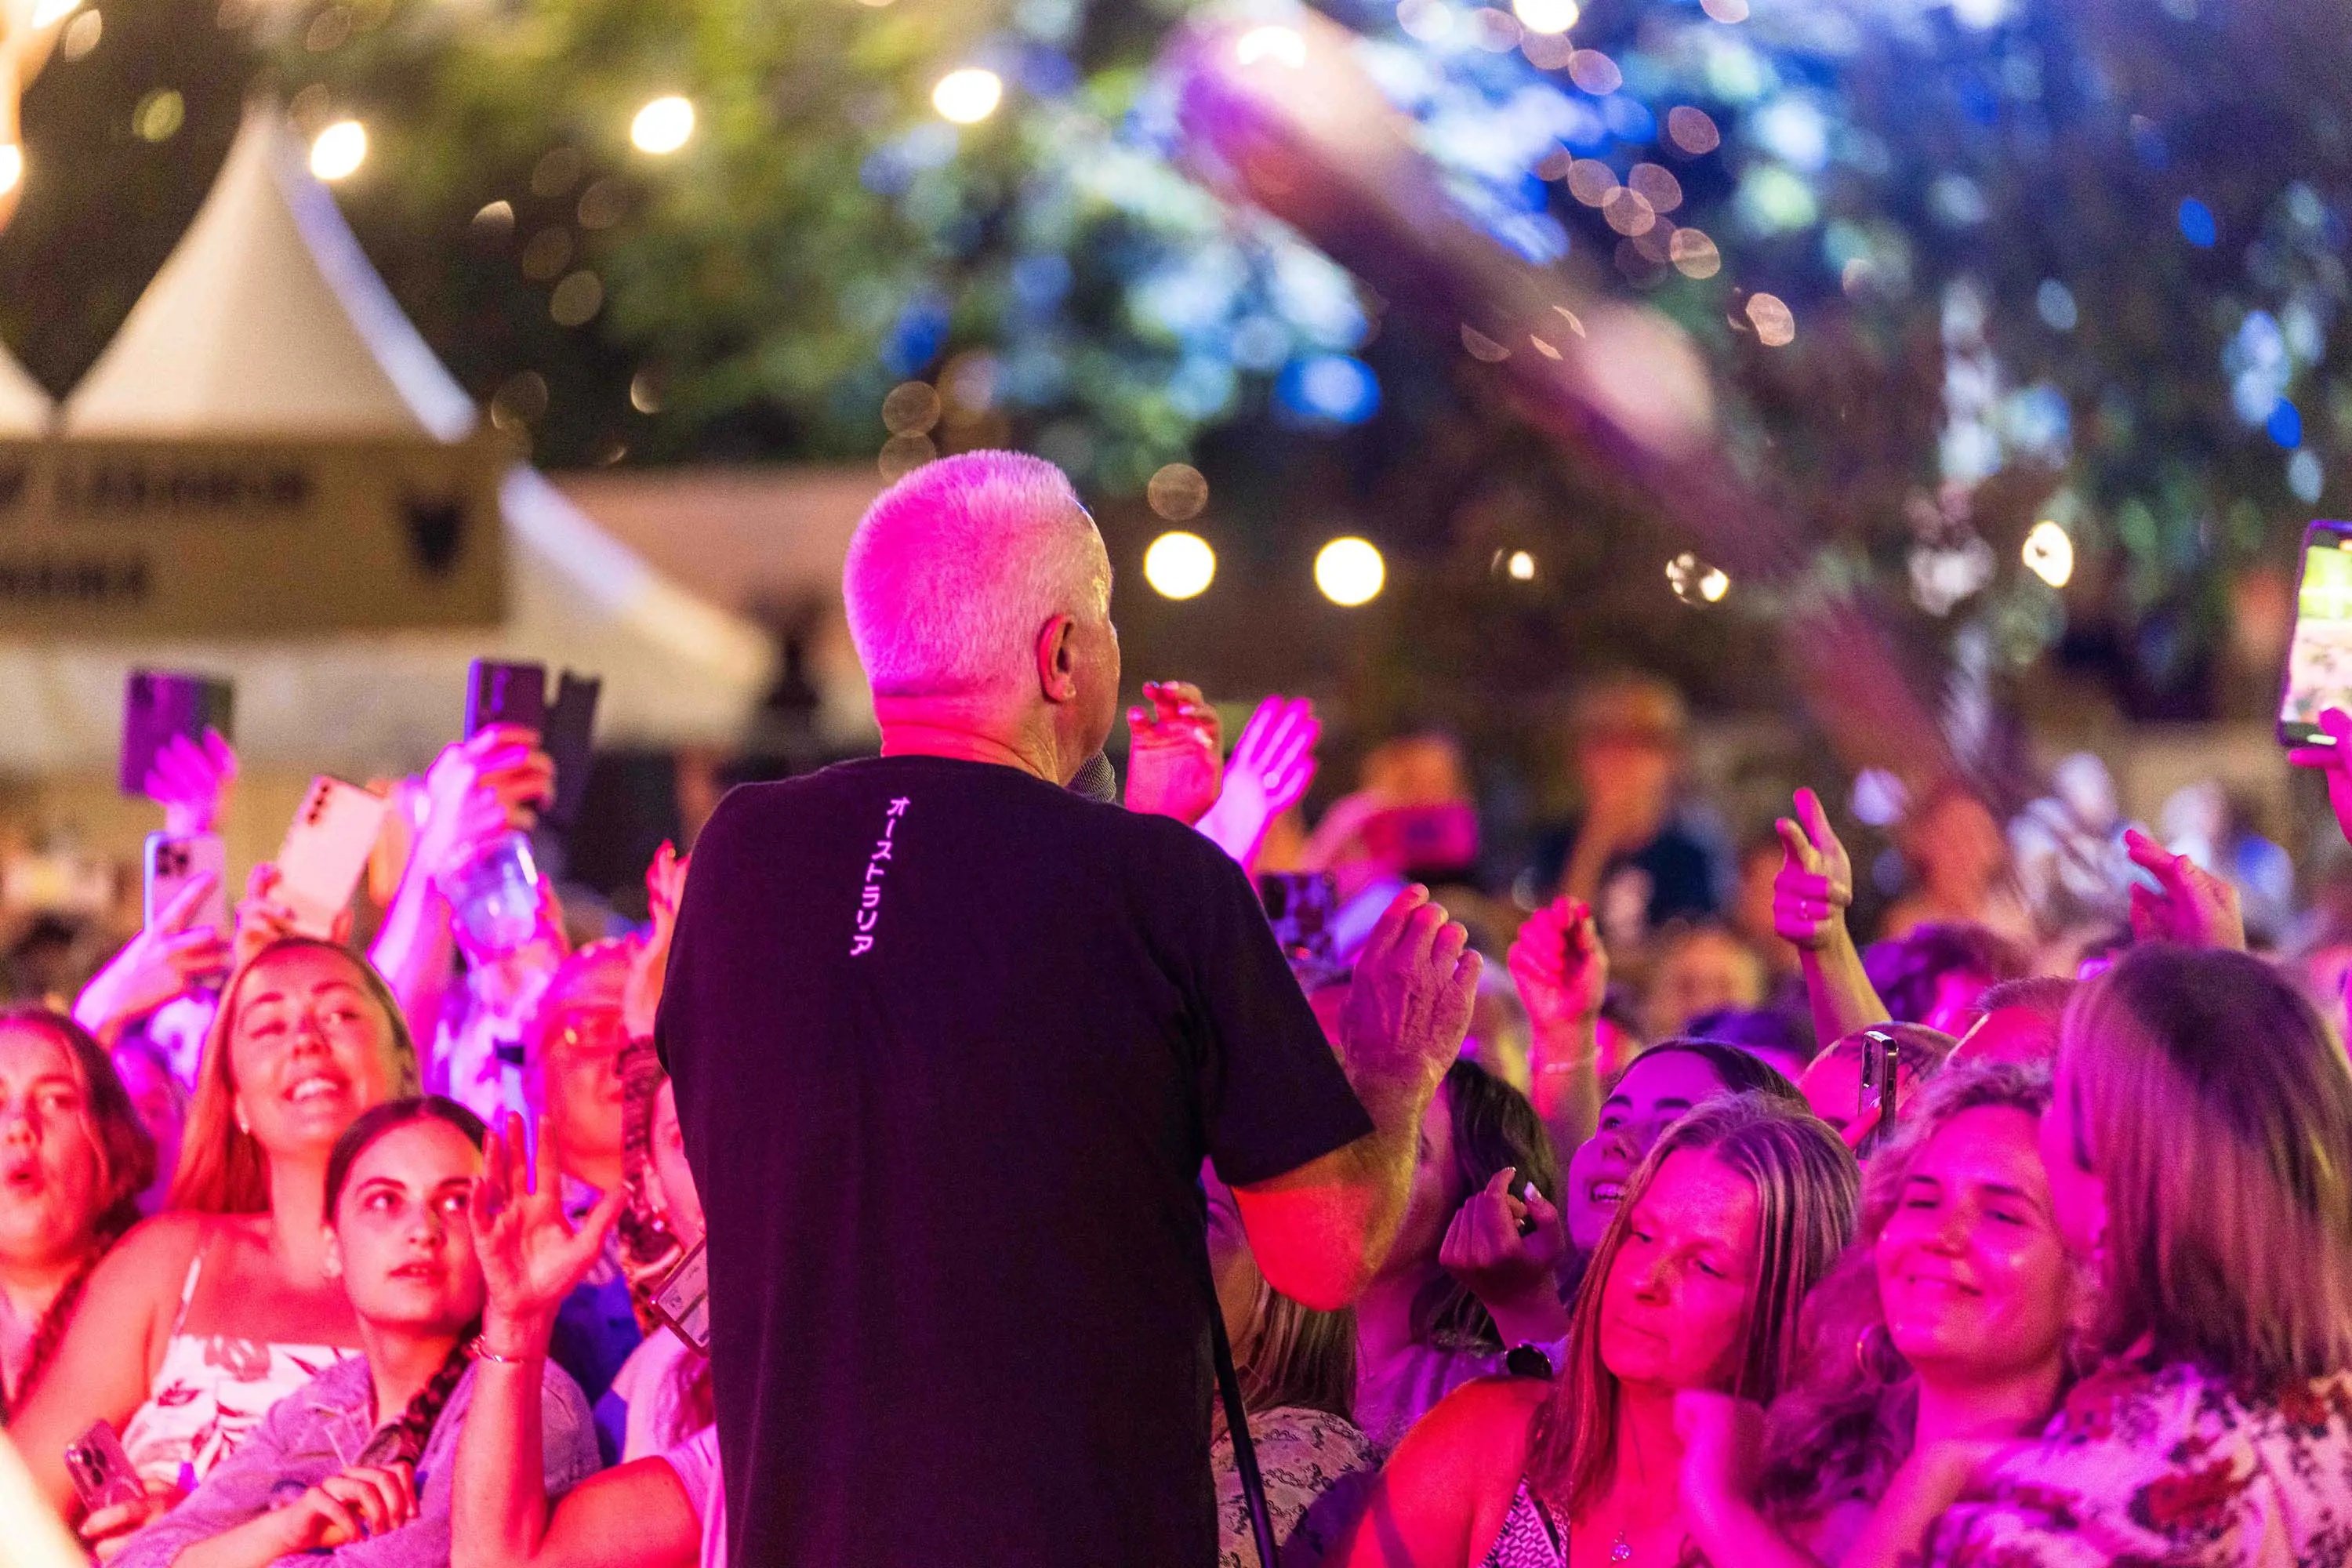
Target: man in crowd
[[950, 1044]]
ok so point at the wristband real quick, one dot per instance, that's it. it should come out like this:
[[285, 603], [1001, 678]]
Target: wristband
[[480, 1349]]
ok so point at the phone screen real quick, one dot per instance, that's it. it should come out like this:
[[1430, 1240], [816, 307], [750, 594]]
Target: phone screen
[[2319, 660]]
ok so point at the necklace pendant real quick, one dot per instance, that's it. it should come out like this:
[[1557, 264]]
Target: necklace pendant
[[1622, 1552]]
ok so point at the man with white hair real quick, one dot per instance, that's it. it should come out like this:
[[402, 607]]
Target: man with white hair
[[950, 1045]]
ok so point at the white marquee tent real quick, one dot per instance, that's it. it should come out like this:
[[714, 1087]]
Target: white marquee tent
[[268, 321], [24, 408]]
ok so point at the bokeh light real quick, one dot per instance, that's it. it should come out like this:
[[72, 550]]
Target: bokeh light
[[1547, 15], [2050, 553], [1350, 572], [1179, 565], [1284, 46], [2197, 225], [967, 96], [1178, 492], [338, 151], [663, 126], [911, 409], [1521, 566], [49, 13], [1693, 253], [12, 166], [1694, 581], [1693, 130], [1775, 323]]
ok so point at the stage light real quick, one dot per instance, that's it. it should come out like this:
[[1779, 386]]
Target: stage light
[[2050, 553], [663, 126], [1281, 45], [1545, 16], [967, 96], [339, 149], [1179, 565], [1350, 572]]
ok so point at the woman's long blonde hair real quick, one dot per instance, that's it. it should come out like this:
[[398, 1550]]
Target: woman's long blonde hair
[[2215, 1104], [222, 1168], [1804, 1179], [1847, 1422]]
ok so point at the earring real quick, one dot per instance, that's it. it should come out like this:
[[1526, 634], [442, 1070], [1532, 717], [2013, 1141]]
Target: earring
[[1876, 1357], [236, 1110]]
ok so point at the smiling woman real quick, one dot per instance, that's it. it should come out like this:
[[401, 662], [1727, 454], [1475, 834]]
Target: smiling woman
[[228, 1294]]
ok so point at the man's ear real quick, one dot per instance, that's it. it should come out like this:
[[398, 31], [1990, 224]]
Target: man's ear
[[1057, 660]]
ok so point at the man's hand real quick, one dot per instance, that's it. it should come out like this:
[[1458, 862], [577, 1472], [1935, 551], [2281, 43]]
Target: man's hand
[[1175, 751], [2189, 904], [155, 966], [1409, 1008], [1272, 764], [191, 779], [1559, 966], [665, 884], [1815, 885], [1515, 1277]]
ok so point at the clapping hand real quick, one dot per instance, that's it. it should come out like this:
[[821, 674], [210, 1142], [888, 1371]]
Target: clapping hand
[[2189, 904], [1272, 764], [162, 961], [1559, 966], [191, 781], [1815, 885], [532, 1257], [1174, 753], [665, 886]]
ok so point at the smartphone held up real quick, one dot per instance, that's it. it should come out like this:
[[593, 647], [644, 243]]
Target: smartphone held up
[[2319, 655]]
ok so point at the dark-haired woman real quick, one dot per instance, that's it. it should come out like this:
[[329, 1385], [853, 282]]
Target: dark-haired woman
[[73, 1160], [356, 1464], [1697, 1287], [2196, 1146], [1421, 1329]]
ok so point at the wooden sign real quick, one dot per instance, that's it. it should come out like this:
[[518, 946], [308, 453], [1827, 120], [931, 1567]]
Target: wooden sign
[[143, 539]]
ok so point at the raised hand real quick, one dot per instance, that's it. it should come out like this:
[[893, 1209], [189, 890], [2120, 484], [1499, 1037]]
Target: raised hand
[[1559, 966], [191, 779], [1272, 764], [1513, 1276], [2189, 904], [476, 788], [261, 917], [532, 1257], [1815, 885], [665, 886], [1409, 1007], [159, 963], [1174, 752], [2334, 762]]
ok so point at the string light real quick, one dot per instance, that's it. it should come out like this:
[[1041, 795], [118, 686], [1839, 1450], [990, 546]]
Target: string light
[[1179, 565], [663, 126], [339, 149], [1547, 15], [1350, 572], [2050, 553], [967, 96]]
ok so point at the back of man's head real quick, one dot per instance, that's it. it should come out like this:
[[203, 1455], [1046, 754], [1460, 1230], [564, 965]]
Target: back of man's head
[[958, 566]]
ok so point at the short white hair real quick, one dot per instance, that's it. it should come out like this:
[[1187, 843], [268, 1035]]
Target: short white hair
[[957, 567]]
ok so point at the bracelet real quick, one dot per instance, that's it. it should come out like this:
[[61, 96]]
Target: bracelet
[[480, 1349]]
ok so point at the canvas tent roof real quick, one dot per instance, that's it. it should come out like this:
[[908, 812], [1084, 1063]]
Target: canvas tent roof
[[24, 408], [266, 320]]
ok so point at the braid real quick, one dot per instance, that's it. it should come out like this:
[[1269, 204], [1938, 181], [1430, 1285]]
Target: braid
[[403, 1442], [50, 1334]]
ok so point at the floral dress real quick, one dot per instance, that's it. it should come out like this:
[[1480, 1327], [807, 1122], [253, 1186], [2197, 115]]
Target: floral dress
[[2150, 1465], [1317, 1468]]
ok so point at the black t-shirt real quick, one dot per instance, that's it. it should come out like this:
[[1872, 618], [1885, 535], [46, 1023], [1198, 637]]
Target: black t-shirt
[[949, 1044]]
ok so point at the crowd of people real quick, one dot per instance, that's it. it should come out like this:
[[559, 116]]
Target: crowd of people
[[1686, 1226]]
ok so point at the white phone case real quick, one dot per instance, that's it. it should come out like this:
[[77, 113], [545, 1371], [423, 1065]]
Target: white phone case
[[175, 862], [326, 850]]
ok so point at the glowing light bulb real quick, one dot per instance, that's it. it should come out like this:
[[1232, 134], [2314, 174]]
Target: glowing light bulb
[[1521, 566], [2050, 553], [12, 166], [49, 13], [1282, 45], [967, 96], [339, 149], [1547, 15], [1350, 572], [663, 126], [1179, 565]]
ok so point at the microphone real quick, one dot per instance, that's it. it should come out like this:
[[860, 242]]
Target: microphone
[[1097, 780]]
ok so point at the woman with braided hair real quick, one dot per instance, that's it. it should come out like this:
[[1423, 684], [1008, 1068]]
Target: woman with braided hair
[[356, 1465], [73, 1161]]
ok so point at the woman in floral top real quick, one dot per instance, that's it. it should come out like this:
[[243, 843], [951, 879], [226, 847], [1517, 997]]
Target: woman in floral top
[[2199, 1151]]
